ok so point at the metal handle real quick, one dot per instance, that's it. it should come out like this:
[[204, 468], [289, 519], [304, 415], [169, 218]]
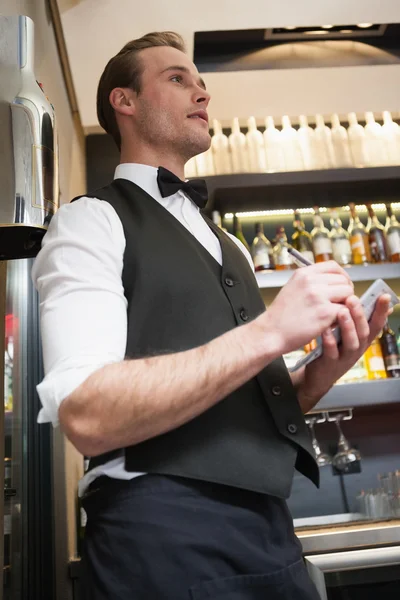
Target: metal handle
[[357, 559]]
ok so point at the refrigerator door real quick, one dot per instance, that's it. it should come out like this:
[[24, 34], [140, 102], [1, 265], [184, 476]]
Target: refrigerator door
[[28, 518]]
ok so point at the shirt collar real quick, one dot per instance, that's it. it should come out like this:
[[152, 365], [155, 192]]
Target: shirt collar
[[143, 175]]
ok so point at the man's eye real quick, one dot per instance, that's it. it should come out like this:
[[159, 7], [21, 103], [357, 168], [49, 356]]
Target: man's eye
[[177, 78]]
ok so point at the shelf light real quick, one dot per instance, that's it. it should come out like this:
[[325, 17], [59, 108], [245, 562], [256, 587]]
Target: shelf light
[[326, 26], [290, 27], [361, 208], [316, 32], [365, 25], [345, 31]]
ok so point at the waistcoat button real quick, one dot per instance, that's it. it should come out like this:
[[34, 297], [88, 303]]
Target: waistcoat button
[[276, 390], [229, 281], [243, 315], [292, 428]]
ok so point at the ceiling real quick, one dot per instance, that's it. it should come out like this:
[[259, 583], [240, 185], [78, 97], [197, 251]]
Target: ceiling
[[95, 30]]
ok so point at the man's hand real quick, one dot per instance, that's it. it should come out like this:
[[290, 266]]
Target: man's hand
[[307, 305], [316, 379]]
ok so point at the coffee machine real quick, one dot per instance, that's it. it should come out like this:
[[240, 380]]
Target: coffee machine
[[29, 189]]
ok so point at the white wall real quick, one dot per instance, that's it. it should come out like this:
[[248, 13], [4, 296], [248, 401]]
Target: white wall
[[242, 93]]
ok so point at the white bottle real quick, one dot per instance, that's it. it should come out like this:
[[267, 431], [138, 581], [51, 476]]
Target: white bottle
[[291, 147], [323, 137], [205, 163], [357, 141], [238, 147], [273, 146], [220, 149], [376, 149], [306, 137], [256, 149], [340, 143], [190, 168], [391, 136]]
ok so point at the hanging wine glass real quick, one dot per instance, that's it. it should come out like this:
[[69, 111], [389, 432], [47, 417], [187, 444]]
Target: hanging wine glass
[[345, 455], [321, 457]]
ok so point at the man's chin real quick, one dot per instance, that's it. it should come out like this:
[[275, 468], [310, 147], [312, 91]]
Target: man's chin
[[200, 145]]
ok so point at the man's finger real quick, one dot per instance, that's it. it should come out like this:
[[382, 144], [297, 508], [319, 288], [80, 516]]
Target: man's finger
[[380, 315]]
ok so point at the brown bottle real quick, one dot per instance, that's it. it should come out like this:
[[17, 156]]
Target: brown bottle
[[390, 352], [358, 239], [376, 236]]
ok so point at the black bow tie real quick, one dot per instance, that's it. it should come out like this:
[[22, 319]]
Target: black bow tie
[[169, 184]]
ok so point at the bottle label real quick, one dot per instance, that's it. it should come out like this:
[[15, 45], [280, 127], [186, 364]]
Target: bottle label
[[394, 242], [309, 255], [283, 257], [377, 246], [376, 363], [261, 258], [358, 246], [341, 251], [392, 362], [322, 245]]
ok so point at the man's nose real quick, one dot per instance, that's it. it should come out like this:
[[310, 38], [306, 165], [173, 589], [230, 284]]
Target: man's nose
[[202, 97]]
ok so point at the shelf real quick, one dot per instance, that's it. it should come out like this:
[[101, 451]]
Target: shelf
[[275, 279], [365, 393], [254, 191]]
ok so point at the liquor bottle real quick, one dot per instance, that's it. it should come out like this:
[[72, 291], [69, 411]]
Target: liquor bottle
[[306, 137], [216, 218], [357, 141], [322, 243], [291, 146], [340, 240], [310, 346], [273, 146], [261, 250], [323, 136], [256, 149], [301, 239], [358, 239], [237, 231], [191, 168], [390, 351], [376, 235], [391, 138], [392, 229], [282, 257], [374, 362], [220, 149], [205, 163], [376, 149], [238, 147], [340, 143]]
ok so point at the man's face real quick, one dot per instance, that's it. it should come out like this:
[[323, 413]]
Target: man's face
[[171, 108]]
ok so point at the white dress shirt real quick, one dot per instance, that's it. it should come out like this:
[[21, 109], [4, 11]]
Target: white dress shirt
[[83, 309]]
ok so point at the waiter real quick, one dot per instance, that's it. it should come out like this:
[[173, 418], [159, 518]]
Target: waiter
[[163, 366]]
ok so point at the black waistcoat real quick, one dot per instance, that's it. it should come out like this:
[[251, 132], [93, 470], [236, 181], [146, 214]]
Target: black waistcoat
[[179, 298]]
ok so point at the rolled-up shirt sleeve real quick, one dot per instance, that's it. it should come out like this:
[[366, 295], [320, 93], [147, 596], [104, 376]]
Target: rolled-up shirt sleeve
[[83, 310]]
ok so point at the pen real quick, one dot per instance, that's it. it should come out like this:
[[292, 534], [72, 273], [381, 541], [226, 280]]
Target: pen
[[300, 260]]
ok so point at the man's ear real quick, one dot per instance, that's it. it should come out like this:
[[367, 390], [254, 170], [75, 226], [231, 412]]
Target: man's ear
[[123, 100]]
